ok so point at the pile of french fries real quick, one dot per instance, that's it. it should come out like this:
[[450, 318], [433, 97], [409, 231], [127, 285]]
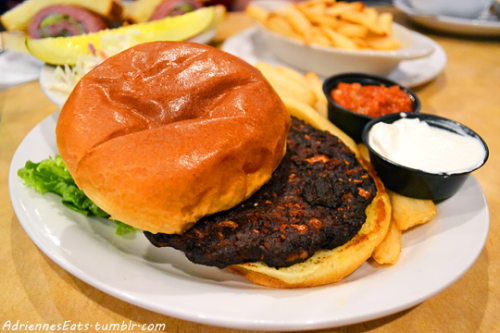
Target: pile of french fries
[[303, 94], [350, 26]]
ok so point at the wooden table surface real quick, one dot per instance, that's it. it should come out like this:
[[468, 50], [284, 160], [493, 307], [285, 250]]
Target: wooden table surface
[[36, 290]]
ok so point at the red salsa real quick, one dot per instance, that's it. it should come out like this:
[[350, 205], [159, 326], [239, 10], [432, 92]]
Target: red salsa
[[372, 101]]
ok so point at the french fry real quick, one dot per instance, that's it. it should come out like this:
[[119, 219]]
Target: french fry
[[360, 42], [385, 22], [257, 13], [297, 20], [389, 250], [313, 3], [364, 152], [383, 43], [371, 13], [316, 16], [363, 19], [283, 93], [343, 7], [313, 7], [409, 212], [331, 22], [308, 81], [282, 84], [294, 75], [315, 36], [316, 85], [357, 17], [339, 40], [278, 24], [352, 30]]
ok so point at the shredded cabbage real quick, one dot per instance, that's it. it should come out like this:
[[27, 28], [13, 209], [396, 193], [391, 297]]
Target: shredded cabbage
[[67, 77]]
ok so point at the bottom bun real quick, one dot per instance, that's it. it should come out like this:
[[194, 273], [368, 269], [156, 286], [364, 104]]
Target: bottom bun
[[328, 266]]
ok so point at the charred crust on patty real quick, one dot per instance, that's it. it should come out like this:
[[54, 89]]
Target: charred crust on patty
[[316, 199]]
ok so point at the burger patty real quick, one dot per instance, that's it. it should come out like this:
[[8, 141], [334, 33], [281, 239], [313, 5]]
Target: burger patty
[[316, 199]]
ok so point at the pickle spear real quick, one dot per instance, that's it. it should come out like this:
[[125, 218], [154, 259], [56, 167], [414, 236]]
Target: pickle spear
[[67, 50]]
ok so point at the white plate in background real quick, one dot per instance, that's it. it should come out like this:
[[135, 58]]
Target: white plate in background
[[250, 46], [485, 25], [434, 256], [327, 61]]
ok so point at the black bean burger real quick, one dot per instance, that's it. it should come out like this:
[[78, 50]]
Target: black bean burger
[[193, 146]]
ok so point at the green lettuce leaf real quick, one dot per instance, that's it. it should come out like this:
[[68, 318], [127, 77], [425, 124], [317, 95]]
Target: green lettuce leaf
[[52, 175]]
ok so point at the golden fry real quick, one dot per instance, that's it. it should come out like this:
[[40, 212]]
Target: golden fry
[[316, 85], [257, 13], [409, 212], [383, 43], [364, 152], [352, 30], [371, 13], [360, 42], [315, 36], [385, 22], [357, 17], [297, 20], [294, 75], [329, 21], [312, 7], [281, 26], [339, 40], [364, 20], [389, 250], [284, 86], [343, 7], [313, 3], [316, 16]]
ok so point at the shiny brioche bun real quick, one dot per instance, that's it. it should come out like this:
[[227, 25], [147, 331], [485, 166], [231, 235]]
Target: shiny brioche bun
[[165, 133], [328, 266]]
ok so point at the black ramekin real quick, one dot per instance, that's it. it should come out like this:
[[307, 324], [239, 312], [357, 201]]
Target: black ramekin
[[350, 122], [416, 183]]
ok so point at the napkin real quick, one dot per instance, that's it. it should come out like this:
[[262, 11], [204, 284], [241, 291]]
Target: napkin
[[18, 68]]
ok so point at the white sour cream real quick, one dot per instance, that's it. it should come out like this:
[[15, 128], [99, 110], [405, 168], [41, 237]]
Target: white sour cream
[[417, 145]]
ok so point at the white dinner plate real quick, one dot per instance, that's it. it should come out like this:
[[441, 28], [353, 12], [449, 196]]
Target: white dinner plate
[[487, 24], [250, 46], [162, 280]]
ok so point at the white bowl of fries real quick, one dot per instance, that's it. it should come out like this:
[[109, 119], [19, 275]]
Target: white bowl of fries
[[328, 37]]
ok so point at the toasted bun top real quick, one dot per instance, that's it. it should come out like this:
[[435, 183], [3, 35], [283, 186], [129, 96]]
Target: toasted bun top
[[165, 133]]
